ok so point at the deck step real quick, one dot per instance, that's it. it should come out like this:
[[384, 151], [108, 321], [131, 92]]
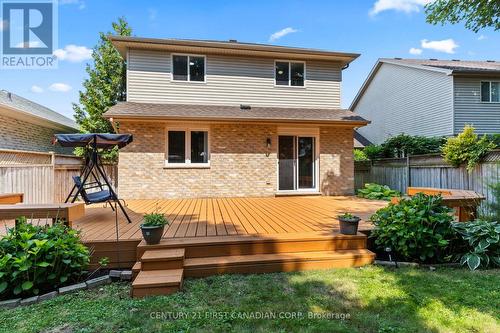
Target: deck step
[[278, 262], [157, 282], [162, 259], [136, 269], [214, 246]]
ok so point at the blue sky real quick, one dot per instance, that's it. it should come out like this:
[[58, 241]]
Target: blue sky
[[374, 28]]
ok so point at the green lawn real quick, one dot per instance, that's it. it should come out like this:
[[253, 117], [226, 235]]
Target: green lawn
[[375, 299]]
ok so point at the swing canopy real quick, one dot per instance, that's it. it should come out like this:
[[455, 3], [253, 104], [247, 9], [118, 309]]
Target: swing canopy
[[101, 140]]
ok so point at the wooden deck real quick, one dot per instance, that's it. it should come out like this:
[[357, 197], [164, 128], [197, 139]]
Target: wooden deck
[[213, 220], [227, 216]]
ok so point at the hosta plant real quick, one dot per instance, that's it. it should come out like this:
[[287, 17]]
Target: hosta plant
[[416, 228], [482, 243], [377, 192], [37, 259]]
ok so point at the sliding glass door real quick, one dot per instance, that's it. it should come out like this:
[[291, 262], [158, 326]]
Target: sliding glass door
[[296, 158]]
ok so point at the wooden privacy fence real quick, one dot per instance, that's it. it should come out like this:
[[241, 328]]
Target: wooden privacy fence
[[42, 177], [429, 171]]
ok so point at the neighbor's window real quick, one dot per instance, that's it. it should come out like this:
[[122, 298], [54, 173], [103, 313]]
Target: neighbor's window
[[490, 91], [289, 73], [187, 146], [188, 68]]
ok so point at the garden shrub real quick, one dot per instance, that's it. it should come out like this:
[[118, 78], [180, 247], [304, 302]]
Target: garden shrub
[[416, 228], [377, 192], [482, 243], [36, 259], [466, 148], [403, 145], [360, 155]]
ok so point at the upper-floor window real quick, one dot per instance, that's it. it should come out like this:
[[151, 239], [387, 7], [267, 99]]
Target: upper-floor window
[[490, 91], [188, 68], [289, 73], [187, 146]]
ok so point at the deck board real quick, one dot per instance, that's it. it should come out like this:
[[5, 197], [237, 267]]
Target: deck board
[[225, 217]]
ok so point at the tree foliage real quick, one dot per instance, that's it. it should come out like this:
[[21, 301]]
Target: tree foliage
[[106, 84], [404, 145], [466, 148], [477, 14]]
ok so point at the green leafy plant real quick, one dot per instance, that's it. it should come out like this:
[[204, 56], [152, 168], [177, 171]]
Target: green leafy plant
[[377, 192], [416, 228], [466, 148], [359, 155], [403, 145], [482, 248], [155, 220], [346, 216], [35, 259]]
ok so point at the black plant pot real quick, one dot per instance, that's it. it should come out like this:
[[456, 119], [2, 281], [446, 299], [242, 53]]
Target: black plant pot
[[152, 234], [349, 226]]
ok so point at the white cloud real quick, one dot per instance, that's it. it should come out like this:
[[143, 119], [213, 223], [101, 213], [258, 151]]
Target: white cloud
[[283, 32], [73, 53], [445, 45], [36, 89], [79, 3], [406, 6], [60, 87], [482, 37], [415, 51]]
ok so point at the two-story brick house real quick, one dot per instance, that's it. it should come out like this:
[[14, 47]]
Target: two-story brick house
[[214, 119]]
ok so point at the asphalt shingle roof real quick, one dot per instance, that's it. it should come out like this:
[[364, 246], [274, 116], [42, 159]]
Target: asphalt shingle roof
[[231, 113], [16, 102], [458, 66]]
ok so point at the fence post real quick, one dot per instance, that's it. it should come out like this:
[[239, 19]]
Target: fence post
[[408, 172], [53, 166]]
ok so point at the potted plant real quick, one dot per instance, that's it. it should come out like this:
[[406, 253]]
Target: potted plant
[[152, 227], [348, 224]]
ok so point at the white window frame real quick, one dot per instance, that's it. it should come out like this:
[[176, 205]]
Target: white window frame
[[289, 73], [187, 130], [188, 55], [481, 92], [300, 132]]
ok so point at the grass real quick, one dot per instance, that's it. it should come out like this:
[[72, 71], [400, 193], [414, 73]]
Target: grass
[[370, 299]]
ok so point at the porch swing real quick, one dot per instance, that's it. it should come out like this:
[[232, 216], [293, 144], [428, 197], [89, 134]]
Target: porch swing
[[94, 167]]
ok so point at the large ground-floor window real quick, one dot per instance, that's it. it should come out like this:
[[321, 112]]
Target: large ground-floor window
[[188, 147]]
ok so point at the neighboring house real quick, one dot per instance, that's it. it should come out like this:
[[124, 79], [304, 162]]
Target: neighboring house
[[28, 126], [215, 119], [429, 98]]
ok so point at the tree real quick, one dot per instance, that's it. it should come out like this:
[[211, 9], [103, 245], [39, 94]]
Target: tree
[[466, 148], [477, 14], [106, 84]]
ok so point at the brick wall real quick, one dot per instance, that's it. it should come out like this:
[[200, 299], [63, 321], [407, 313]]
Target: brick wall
[[21, 135], [336, 161], [240, 163]]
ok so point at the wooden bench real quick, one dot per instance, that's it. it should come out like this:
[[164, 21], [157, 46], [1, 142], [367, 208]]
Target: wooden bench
[[11, 198], [68, 212], [463, 202]]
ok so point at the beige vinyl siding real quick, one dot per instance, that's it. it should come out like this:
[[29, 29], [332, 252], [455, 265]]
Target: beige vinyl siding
[[230, 81], [406, 100], [485, 117]]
